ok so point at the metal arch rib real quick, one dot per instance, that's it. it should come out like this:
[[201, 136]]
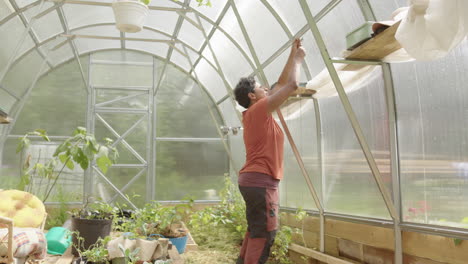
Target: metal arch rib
[[64, 23], [31, 33], [288, 33], [214, 24], [179, 23], [103, 24]]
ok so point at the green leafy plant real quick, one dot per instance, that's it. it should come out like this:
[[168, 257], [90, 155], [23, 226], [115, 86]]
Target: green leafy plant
[[96, 210], [96, 253], [300, 217], [228, 216], [131, 257], [280, 249], [80, 149], [58, 215], [154, 218]]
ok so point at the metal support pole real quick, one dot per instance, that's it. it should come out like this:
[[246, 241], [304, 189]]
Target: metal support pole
[[394, 159], [368, 14], [348, 108]]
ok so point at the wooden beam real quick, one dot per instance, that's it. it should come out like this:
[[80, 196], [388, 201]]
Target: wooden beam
[[317, 255]]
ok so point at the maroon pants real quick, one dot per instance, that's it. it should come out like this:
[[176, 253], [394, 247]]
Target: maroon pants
[[262, 220]]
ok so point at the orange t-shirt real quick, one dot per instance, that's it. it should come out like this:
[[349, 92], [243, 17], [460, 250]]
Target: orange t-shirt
[[264, 141]]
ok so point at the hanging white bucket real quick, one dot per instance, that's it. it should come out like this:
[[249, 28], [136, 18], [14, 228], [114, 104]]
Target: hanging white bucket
[[129, 15]]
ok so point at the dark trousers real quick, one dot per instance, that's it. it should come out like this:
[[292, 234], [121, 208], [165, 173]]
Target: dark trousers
[[262, 220]]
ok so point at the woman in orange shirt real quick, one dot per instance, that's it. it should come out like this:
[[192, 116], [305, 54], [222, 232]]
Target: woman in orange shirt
[[263, 169]]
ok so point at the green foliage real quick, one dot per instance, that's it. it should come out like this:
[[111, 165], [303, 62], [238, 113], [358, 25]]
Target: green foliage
[[58, 216], [223, 226], [96, 253], [80, 149], [457, 241], [279, 250], [204, 2], [228, 215], [96, 210], [300, 217], [154, 218], [131, 257]]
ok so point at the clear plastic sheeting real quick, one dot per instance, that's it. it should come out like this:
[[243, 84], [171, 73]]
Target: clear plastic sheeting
[[17, 81], [431, 103], [231, 27], [212, 12], [85, 45], [210, 79], [84, 15], [39, 112], [262, 27], [47, 25], [191, 34], [5, 9], [295, 192], [349, 186], [341, 20], [162, 20], [6, 100], [233, 63], [57, 50], [180, 174], [288, 12], [14, 29]]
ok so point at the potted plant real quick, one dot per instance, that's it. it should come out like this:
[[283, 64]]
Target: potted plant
[[93, 222], [80, 149], [130, 15], [155, 221]]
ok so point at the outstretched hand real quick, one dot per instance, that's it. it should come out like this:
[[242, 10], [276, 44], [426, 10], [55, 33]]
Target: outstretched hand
[[298, 50]]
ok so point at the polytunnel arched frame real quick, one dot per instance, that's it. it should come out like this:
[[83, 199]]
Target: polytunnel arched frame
[[250, 55]]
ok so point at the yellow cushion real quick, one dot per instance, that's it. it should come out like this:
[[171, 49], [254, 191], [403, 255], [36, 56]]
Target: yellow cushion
[[25, 209]]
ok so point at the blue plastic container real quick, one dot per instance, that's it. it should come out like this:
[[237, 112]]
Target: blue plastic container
[[179, 243], [58, 240]]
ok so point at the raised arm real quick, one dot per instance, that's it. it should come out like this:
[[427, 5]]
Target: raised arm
[[287, 82]]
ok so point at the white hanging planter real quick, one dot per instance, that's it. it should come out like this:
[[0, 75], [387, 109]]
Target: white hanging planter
[[129, 15]]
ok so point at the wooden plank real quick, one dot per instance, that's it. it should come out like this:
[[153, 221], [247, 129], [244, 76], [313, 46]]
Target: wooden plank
[[4, 120], [378, 47], [365, 234], [441, 249], [317, 255], [191, 244], [303, 92]]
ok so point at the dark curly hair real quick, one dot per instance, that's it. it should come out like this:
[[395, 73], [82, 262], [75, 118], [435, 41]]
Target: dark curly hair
[[242, 90]]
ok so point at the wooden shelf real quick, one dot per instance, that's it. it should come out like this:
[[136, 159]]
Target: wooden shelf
[[303, 92], [4, 118], [378, 47]]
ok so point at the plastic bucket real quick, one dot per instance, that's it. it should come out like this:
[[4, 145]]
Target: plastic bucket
[[58, 240], [179, 243]]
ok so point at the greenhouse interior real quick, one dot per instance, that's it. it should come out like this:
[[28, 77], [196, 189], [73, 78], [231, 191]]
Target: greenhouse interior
[[122, 138]]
